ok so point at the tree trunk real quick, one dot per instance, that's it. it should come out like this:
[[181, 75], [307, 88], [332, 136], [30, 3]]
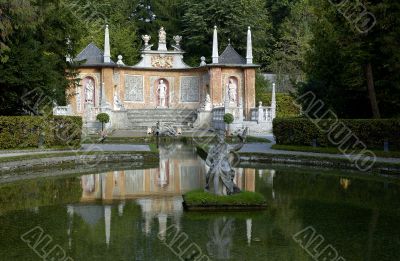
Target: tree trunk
[[371, 91]]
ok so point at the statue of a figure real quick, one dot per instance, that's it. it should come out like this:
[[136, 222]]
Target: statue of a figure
[[89, 90], [164, 130], [232, 91], [162, 93], [162, 36], [221, 172], [117, 103], [207, 105]]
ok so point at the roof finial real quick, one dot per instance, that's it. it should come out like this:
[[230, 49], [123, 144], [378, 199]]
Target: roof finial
[[229, 41]]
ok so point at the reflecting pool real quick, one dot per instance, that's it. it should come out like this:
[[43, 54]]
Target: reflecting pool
[[136, 214]]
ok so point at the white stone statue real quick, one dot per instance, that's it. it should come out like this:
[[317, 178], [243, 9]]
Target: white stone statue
[[117, 103], [219, 178], [162, 36], [207, 106], [162, 93], [89, 90], [232, 91]]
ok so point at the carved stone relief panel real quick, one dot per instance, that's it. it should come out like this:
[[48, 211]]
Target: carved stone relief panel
[[190, 89], [134, 89]]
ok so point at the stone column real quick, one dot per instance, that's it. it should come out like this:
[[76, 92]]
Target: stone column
[[250, 91], [215, 86], [273, 102]]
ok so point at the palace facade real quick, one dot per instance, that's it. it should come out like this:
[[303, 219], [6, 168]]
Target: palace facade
[[162, 88]]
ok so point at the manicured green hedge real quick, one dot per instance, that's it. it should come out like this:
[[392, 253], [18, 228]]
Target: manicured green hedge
[[302, 131], [26, 131]]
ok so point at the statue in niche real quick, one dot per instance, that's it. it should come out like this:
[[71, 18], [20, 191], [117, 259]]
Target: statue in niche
[[221, 173], [232, 90], [117, 103], [162, 93], [89, 90], [162, 36]]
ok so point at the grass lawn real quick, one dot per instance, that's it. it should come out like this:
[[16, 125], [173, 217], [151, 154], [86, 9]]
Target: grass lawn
[[332, 150], [199, 197]]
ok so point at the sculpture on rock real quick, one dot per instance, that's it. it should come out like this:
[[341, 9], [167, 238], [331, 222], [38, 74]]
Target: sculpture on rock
[[162, 93], [232, 90], [164, 130], [221, 174]]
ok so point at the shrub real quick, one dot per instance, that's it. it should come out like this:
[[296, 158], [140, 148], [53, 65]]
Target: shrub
[[373, 133], [26, 131], [103, 118], [228, 118]]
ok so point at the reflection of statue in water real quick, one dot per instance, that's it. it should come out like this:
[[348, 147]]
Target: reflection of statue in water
[[162, 93], [220, 233], [218, 160], [88, 183]]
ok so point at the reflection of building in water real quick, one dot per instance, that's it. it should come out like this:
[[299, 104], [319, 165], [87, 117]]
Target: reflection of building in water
[[158, 191]]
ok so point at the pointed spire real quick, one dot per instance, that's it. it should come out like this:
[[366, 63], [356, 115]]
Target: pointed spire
[[107, 52], [273, 101], [249, 56], [215, 55]]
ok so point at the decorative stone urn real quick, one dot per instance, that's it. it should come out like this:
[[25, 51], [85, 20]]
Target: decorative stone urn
[[146, 38]]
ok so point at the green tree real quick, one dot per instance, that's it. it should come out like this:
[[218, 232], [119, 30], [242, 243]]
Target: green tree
[[103, 118], [36, 68], [355, 74], [232, 18]]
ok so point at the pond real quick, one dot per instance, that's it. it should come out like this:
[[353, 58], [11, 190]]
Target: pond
[[136, 214]]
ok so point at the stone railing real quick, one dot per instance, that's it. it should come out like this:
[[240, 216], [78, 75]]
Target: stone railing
[[62, 111], [262, 114], [218, 118]]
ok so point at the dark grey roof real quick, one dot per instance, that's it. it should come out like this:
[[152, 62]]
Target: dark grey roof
[[230, 56], [92, 54]]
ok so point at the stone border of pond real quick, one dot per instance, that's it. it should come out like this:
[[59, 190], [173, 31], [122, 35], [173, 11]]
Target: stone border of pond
[[381, 166], [77, 158], [203, 201]]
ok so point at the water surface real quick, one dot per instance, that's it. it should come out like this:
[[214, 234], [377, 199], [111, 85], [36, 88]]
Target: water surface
[[123, 214]]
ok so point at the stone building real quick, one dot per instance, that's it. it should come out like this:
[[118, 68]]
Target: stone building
[[161, 87]]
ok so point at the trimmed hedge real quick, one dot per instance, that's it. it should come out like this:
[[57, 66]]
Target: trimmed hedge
[[27, 132], [373, 133]]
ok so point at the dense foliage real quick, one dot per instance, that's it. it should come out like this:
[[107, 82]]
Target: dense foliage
[[28, 132], [309, 42], [373, 133]]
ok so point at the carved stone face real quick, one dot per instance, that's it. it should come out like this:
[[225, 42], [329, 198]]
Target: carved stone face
[[161, 81]]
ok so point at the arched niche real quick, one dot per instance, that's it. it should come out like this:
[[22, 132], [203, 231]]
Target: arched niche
[[162, 88]]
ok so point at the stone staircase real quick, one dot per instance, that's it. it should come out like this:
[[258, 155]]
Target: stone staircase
[[140, 120]]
